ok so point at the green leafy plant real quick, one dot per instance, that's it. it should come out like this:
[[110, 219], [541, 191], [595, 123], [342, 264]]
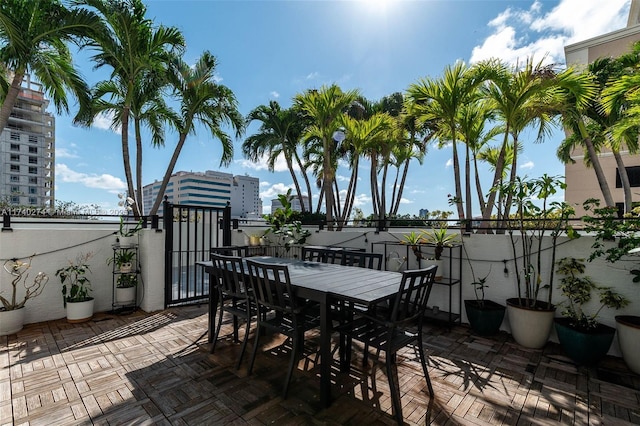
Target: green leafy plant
[[75, 284], [19, 271], [122, 257], [125, 231], [578, 290], [440, 238], [127, 281], [535, 216], [284, 224], [414, 239]]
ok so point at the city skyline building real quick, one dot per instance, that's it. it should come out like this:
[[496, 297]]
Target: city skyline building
[[211, 189], [27, 150]]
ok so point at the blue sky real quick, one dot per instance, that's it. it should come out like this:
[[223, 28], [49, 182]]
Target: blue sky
[[272, 50]]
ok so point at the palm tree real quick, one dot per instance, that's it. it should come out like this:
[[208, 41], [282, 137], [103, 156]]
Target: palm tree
[[324, 107], [279, 133], [438, 100], [33, 39], [204, 102], [135, 51], [518, 97]]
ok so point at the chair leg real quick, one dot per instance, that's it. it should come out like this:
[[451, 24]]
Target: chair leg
[[292, 364], [392, 375], [423, 361], [255, 349], [218, 327], [244, 342]]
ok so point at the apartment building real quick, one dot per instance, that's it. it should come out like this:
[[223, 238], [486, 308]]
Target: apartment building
[[27, 151], [211, 189], [581, 181], [295, 203]]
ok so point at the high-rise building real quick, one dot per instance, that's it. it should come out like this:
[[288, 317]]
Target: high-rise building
[[295, 203], [581, 181], [211, 189], [27, 150]]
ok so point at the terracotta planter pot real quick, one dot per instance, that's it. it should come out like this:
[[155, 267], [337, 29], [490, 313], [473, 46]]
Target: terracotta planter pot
[[584, 347], [11, 321], [628, 327], [530, 327], [80, 311], [484, 318]]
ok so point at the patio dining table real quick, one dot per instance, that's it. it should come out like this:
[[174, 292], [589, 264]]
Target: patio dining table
[[325, 283]]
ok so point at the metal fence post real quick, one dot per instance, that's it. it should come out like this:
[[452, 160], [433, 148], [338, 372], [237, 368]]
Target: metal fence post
[[226, 225]]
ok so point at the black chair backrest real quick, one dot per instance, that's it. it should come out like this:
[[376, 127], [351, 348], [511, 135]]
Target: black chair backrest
[[411, 301], [272, 287], [238, 251], [362, 259], [230, 272], [319, 254]]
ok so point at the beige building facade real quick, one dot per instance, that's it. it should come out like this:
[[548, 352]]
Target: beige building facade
[[581, 181]]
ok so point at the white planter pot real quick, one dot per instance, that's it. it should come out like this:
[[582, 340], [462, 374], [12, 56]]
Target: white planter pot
[[80, 311], [11, 321], [439, 263], [629, 340], [125, 295], [529, 327], [127, 241]]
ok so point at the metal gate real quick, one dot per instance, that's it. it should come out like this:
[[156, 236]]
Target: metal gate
[[190, 231]]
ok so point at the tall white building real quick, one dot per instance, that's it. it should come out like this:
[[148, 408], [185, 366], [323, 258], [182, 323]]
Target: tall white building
[[27, 150], [211, 189], [295, 203]]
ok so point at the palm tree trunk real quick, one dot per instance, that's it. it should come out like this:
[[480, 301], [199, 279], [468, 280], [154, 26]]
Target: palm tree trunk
[[403, 180], [383, 191], [127, 159], [512, 177], [327, 181], [10, 99], [373, 177], [295, 182], [306, 179], [467, 178], [320, 199], [597, 167], [624, 179], [336, 193], [478, 184], [168, 172], [136, 123], [456, 176], [497, 177], [351, 190]]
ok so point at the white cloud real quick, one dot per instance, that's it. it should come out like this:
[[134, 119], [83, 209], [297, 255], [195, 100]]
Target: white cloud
[[64, 153], [519, 34], [313, 75], [341, 178], [449, 163], [406, 201], [104, 181], [528, 165], [275, 94], [264, 183], [274, 190], [279, 166], [103, 121], [217, 78]]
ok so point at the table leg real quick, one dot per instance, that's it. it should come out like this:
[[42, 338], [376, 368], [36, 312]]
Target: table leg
[[325, 354], [213, 306]]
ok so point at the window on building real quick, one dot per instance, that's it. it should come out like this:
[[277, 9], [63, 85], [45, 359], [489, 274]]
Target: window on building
[[33, 180], [15, 200], [33, 190], [33, 150], [15, 147], [15, 157], [634, 177], [33, 201], [14, 178], [15, 136], [33, 160], [15, 188], [33, 139], [15, 168], [33, 170]]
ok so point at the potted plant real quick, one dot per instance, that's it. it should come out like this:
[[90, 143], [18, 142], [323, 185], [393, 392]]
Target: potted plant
[[255, 239], [582, 337], [485, 316], [76, 288], [12, 310], [531, 316], [615, 238], [413, 239], [285, 225], [123, 259], [126, 235], [126, 289], [440, 239]]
